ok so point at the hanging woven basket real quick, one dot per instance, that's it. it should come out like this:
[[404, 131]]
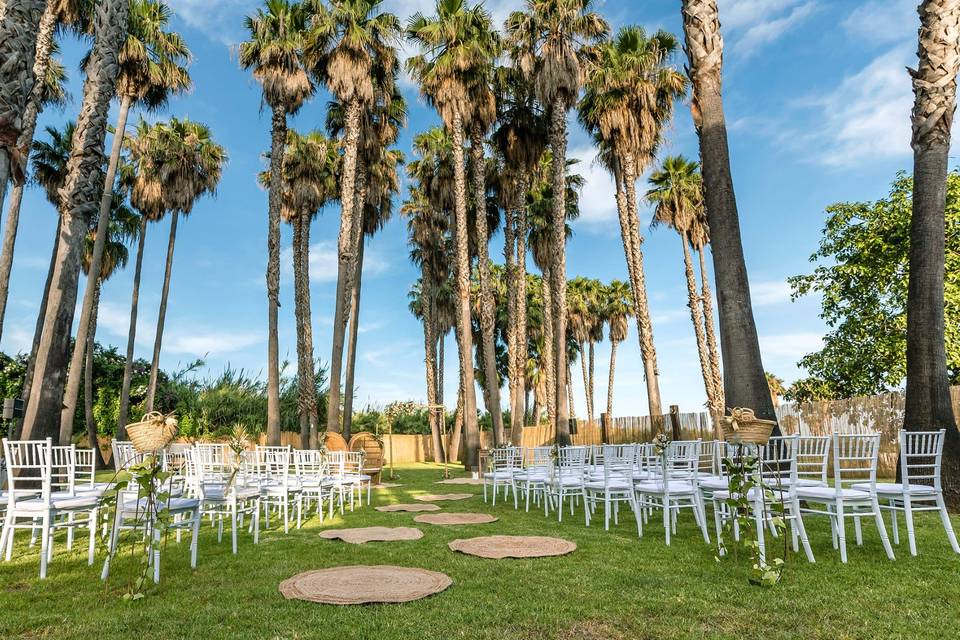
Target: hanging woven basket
[[743, 427], [153, 432]]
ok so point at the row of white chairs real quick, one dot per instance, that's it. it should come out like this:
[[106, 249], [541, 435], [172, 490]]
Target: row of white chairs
[[690, 475], [51, 488]]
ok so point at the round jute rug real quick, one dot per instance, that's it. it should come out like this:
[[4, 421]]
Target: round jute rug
[[362, 535], [473, 481], [362, 584], [409, 507], [456, 518], [431, 497], [499, 547]]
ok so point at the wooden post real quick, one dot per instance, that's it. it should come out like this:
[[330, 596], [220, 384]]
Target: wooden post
[[603, 428], [675, 421]]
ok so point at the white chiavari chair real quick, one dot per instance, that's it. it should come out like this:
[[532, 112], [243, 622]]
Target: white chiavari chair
[[921, 457], [315, 482], [534, 476], [504, 463], [676, 488], [278, 487], [567, 479], [616, 484], [854, 458], [31, 497], [216, 479]]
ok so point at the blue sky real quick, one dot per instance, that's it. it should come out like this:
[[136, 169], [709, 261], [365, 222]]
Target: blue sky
[[817, 103]]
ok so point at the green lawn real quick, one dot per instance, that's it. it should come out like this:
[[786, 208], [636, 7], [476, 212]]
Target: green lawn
[[613, 586]]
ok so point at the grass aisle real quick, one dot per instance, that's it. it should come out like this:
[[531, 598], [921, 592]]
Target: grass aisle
[[613, 586]]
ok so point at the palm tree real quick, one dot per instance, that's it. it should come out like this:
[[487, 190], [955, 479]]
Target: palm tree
[[451, 42], [49, 77], [738, 331], [124, 226], [677, 195], [189, 165], [349, 41], [18, 38], [80, 194], [628, 99], [776, 388], [274, 53], [147, 198], [310, 183], [578, 326], [49, 170], [520, 139], [151, 69], [928, 403], [550, 42], [618, 308]]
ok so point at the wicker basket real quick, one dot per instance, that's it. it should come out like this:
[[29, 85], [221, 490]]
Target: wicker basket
[[153, 432], [743, 427]]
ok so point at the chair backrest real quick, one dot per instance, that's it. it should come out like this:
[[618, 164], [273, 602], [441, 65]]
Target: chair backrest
[[921, 455], [538, 458], [84, 468], [855, 458], [811, 457], [28, 469], [123, 454], [596, 454], [309, 463], [62, 469], [682, 460], [778, 458], [707, 457], [571, 460], [506, 459], [618, 461], [274, 463]]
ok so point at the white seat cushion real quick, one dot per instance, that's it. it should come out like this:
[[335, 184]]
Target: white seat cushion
[[714, 483], [567, 481], [830, 493], [499, 475], [674, 487], [614, 485], [896, 488], [172, 505], [61, 501], [241, 492]]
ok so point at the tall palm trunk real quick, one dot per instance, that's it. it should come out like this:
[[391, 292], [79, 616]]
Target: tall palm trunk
[[278, 140], [558, 143], [510, 268], [93, 277], [44, 47], [131, 334], [586, 378], [928, 403], [713, 351], [18, 41], [162, 314], [487, 306], [613, 367], [345, 247], [349, 379], [591, 411], [430, 365], [91, 423], [353, 273], [306, 387], [745, 384], [696, 316], [79, 197], [38, 328], [464, 335], [641, 304], [518, 404], [547, 361]]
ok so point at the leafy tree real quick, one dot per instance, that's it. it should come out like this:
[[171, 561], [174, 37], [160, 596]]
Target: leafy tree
[[862, 280]]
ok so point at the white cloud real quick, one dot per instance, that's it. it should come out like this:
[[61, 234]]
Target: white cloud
[[791, 346], [214, 342], [598, 199], [765, 294], [323, 261], [669, 316], [752, 24], [883, 21], [865, 117], [220, 20]]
